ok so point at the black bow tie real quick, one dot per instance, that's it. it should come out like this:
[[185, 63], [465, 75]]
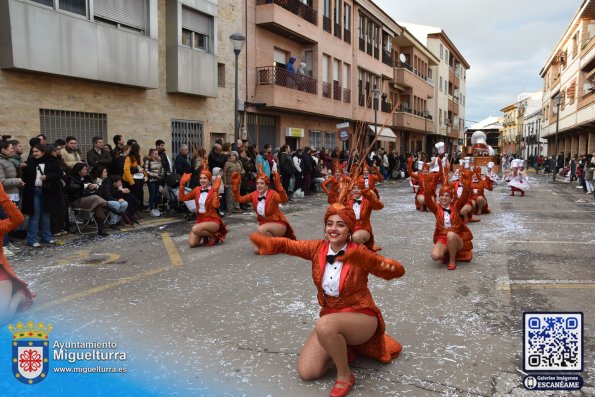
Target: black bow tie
[[357, 201], [446, 209], [204, 191], [331, 258], [365, 177], [260, 198]]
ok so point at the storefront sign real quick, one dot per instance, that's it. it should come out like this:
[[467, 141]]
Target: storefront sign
[[294, 132]]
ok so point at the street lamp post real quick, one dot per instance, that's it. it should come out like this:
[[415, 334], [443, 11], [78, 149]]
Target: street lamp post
[[376, 95], [237, 41], [557, 104]]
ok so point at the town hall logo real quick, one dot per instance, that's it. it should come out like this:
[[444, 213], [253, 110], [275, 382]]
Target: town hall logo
[[30, 351]]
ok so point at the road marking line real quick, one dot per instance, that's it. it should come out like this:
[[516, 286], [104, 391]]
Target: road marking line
[[101, 288], [175, 259], [543, 284], [172, 251]]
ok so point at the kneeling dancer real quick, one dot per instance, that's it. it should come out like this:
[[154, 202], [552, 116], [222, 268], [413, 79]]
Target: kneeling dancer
[[271, 221], [350, 322], [452, 238], [209, 228]]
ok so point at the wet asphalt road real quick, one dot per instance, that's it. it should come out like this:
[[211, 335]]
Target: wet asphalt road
[[221, 321]]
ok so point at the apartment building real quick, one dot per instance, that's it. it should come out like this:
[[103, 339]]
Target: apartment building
[[144, 69], [315, 64], [509, 129], [516, 136], [568, 122], [450, 77]]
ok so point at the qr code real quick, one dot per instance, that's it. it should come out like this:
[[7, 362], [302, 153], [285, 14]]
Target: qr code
[[553, 341]]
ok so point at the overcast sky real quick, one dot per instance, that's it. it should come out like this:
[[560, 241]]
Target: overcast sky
[[506, 42]]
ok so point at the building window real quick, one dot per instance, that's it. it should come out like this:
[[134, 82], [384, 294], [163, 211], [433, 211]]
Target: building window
[[440, 116], [127, 14], [441, 51], [316, 141], [575, 44], [45, 2], [347, 17], [58, 124], [440, 83], [330, 139], [186, 132], [196, 29], [221, 74], [75, 6]]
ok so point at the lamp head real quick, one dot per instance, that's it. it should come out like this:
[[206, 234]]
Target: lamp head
[[237, 41]]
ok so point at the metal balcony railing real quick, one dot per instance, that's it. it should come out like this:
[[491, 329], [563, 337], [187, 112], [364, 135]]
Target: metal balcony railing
[[338, 30], [326, 89], [326, 24], [295, 7], [274, 75], [362, 44], [347, 36], [337, 92], [386, 107], [405, 66], [346, 95]]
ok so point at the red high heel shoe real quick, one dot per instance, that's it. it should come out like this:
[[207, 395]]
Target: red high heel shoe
[[341, 388], [452, 266]]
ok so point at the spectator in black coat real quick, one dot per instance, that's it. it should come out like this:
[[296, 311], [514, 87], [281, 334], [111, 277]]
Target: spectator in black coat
[[182, 162], [217, 158], [287, 167], [307, 170], [99, 154]]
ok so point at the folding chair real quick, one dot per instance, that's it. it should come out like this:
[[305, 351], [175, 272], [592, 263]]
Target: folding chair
[[82, 218]]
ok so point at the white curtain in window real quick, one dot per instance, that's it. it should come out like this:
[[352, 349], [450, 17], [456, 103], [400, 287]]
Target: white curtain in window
[[346, 82], [325, 61], [126, 12], [335, 70]]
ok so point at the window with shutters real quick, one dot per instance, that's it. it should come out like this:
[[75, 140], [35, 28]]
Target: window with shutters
[[197, 29], [186, 132], [58, 124], [221, 74], [126, 14]]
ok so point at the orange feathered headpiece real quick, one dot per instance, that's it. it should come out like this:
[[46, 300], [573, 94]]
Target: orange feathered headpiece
[[205, 170], [337, 165], [261, 175], [345, 212]]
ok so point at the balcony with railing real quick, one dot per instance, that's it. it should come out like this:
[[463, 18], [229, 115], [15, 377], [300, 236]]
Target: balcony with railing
[[284, 17], [410, 119], [326, 89], [347, 36], [406, 76], [364, 100], [337, 92], [273, 75], [453, 78], [346, 95], [386, 107], [326, 24], [338, 30]]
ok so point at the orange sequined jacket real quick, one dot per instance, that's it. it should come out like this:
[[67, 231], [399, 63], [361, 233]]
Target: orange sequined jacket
[[372, 179], [354, 293], [15, 218], [456, 221], [369, 203], [271, 207], [335, 187], [212, 203]]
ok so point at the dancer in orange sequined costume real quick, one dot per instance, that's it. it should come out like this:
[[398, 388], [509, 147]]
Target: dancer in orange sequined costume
[[452, 238], [332, 186], [14, 292], [266, 202], [209, 228], [350, 322]]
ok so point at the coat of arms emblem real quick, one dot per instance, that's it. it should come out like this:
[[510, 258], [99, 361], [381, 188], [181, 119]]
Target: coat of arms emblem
[[30, 351]]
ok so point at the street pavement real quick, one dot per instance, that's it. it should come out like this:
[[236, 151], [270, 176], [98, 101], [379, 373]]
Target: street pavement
[[221, 321]]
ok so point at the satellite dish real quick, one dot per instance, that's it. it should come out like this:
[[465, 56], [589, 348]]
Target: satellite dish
[[403, 58]]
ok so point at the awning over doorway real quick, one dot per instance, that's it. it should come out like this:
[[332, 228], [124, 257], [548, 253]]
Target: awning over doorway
[[384, 132]]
